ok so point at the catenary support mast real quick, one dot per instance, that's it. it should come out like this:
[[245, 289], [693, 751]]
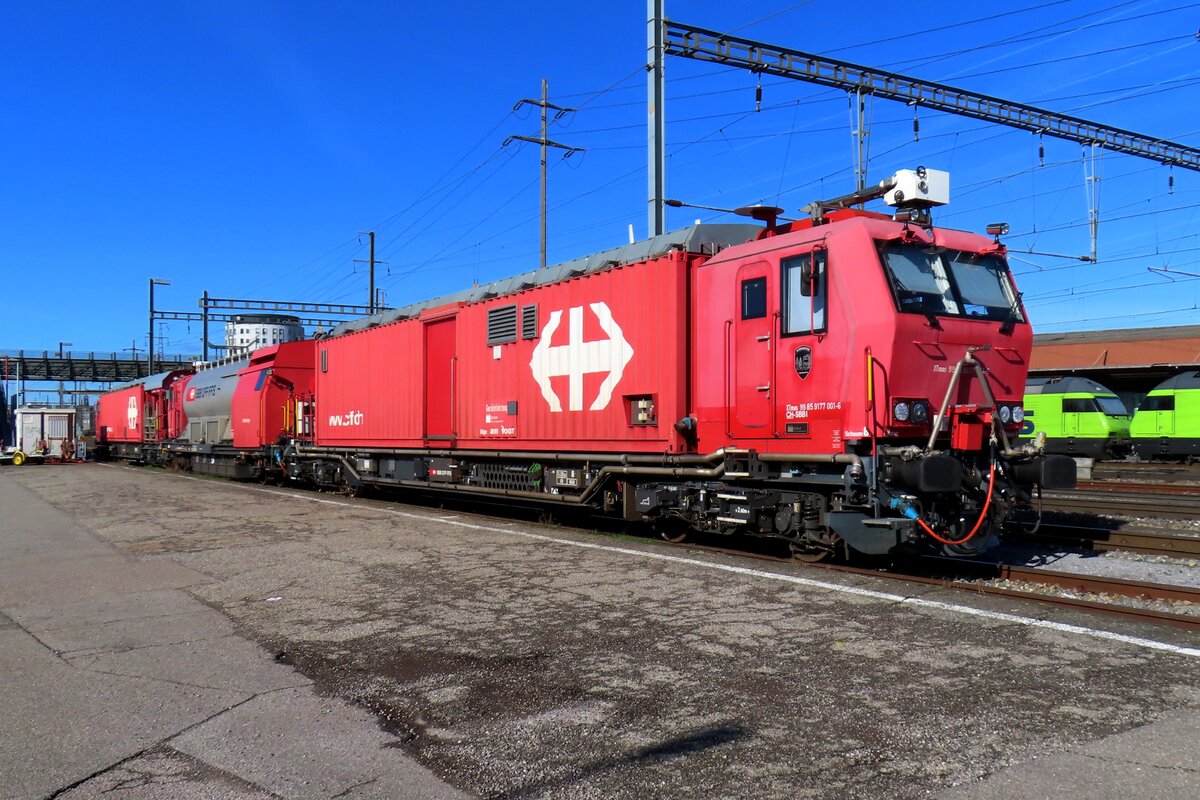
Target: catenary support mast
[[656, 128]]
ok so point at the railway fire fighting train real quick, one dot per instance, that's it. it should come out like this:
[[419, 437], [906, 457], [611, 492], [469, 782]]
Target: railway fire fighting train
[[849, 382]]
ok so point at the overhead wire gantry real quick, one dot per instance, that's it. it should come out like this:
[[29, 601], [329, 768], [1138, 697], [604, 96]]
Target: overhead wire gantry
[[701, 44]]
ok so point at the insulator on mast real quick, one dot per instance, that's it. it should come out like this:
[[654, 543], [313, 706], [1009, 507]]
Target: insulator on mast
[[758, 96], [916, 125], [1170, 180], [1041, 151]]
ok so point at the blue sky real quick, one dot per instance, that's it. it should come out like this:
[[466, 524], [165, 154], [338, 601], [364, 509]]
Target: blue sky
[[239, 148]]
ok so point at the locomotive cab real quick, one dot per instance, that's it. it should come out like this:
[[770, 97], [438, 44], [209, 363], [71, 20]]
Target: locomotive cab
[[1075, 416], [1165, 424], [879, 353]]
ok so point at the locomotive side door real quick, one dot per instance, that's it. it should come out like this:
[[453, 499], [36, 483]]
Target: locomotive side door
[[1072, 406], [803, 323], [440, 362], [751, 350], [1164, 418]]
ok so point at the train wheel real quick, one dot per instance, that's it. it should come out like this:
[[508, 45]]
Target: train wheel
[[18, 458], [674, 531], [818, 547], [809, 553], [976, 546]]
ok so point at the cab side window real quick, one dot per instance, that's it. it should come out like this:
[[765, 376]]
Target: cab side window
[[1159, 402], [804, 293], [754, 298], [1077, 405]]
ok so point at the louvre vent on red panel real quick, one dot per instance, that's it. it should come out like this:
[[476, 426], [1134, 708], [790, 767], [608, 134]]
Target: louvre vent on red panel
[[529, 320], [502, 324]]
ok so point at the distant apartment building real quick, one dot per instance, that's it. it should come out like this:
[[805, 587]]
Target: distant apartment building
[[248, 332]]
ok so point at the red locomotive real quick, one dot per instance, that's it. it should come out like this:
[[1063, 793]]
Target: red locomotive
[[851, 381]]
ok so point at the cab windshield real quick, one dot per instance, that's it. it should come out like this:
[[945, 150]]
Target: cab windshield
[[950, 283], [1111, 405]]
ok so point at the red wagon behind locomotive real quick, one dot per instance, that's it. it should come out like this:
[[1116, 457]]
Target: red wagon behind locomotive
[[229, 418], [138, 414]]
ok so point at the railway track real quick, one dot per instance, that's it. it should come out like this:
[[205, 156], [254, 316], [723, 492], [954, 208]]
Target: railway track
[[1088, 586], [973, 576], [1124, 500], [1099, 584], [1175, 490], [1144, 471], [1132, 540]]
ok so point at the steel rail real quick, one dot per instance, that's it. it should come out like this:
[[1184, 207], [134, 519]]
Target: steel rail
[[1134, 502], [1144, 487], [1184, 621], [1104, 471], [1100, 584], [1158, 543], [1083, 583]]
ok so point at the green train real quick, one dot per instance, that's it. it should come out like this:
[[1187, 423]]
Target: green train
[[1166, 425], [1079, 417]]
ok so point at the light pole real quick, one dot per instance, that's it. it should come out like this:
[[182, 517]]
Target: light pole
[[61, 345], [150, 341]]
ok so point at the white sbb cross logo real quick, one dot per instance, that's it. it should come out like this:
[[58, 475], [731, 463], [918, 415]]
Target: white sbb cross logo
[[578, 358], [132, 416]]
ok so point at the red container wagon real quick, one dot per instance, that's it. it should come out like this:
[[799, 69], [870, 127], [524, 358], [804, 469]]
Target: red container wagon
[[849, 382], [134, 419], [593, 362]]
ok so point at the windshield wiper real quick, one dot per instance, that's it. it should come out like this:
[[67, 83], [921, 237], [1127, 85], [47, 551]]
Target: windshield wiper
[[1014, 314]]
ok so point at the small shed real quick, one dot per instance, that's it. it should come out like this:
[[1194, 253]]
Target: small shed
[[54, 424]]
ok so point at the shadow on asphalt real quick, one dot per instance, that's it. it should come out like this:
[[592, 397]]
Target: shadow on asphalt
[[695, 742]]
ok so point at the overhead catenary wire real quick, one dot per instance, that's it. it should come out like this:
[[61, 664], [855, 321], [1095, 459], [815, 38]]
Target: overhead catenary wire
[[723, 137]]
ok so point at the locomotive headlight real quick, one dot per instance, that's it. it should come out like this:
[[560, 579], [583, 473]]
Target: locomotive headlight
[[900, 411], [1005, 414], [920, 412], [1018, 414]]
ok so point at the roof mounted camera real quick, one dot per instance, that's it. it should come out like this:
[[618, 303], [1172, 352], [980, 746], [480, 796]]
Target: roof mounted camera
[[916, 190], [919, 188]]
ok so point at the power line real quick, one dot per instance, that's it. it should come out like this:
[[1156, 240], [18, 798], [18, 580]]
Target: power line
[[545, 105], [721, 135], [1077, 56], [1077, 320], [772, 15]]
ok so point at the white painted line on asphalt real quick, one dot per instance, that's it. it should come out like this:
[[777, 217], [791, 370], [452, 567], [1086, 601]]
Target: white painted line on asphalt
[[914, 602]]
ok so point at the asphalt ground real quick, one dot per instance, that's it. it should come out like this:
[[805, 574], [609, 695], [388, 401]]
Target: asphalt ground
[[292, 644]]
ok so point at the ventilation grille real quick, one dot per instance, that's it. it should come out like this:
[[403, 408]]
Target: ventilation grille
[[502, 325], [529, 329], [504, 476]]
